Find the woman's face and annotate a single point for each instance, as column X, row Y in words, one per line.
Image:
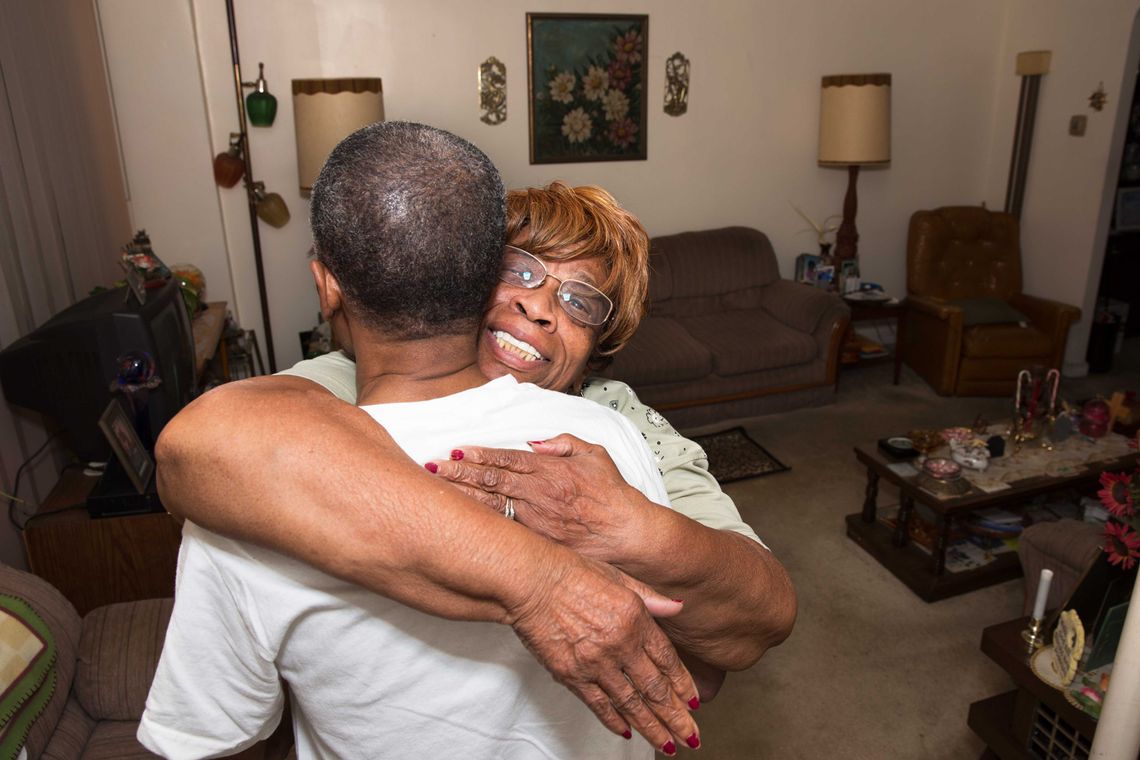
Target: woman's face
column 526, row 333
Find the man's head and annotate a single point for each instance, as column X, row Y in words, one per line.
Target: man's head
column 410, row 222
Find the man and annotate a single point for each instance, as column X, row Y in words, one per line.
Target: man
column 408, row 224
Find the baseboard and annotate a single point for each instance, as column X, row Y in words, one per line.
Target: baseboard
column 1075, row 369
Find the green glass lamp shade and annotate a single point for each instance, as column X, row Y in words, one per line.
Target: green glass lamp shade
column 261, row 107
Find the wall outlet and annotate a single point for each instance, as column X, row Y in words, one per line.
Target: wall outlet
column 1077, row 125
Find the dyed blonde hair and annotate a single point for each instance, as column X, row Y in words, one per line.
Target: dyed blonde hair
column 563, row 223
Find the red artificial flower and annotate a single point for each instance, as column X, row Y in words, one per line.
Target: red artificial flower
column 1116, row 496
column 1122, row 544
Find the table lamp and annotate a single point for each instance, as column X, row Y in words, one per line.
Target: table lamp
column 325, row 111
column 854, row 130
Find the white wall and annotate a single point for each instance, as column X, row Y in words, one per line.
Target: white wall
column 1066, row 211
column 745, row 149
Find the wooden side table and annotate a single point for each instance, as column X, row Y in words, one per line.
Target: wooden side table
column 1034, row 720
column 876, row 311
column 99, row 561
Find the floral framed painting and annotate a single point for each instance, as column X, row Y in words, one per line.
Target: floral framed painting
column 587, row 81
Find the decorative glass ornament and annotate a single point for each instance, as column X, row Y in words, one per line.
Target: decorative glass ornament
column 260, row 105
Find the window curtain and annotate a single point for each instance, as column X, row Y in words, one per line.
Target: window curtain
column 63, row 204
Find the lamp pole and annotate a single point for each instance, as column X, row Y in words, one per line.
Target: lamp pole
column 251, row 198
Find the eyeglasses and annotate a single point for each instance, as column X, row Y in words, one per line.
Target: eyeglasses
column 580, row 300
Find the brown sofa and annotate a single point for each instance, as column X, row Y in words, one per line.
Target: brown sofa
column 104, row 665
column 963, row 273
column 726, row 337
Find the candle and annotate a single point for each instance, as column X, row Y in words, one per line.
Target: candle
column 1042, row 594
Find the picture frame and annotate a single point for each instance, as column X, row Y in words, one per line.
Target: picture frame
column 587, row 82
column 124, row 440
column 1128, row 208
column 806, row 266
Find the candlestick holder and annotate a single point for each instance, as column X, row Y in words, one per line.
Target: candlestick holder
column 1033, row 635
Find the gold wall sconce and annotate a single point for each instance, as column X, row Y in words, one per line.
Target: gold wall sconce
column 325, row 111
column 493, row 91
column 676, row 84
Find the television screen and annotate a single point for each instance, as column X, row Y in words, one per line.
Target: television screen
column 66, row 368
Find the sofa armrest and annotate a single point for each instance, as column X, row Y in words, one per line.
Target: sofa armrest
column 801, row 307
column 1051, row 317
column 118, row 655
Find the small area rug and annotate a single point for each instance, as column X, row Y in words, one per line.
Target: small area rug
column 733, row 455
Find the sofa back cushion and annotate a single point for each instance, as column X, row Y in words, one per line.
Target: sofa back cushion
column 709, row 271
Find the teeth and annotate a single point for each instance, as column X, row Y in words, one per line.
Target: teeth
column 516, row 346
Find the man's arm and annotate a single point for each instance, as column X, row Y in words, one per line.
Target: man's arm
column 280, row 462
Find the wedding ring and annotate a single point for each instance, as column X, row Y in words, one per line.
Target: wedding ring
column 509, row 509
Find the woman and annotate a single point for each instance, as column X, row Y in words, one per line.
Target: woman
column 738, row 600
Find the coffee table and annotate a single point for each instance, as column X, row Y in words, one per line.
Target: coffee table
column 924, row 574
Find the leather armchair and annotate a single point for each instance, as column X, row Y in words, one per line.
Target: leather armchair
column 960, row 259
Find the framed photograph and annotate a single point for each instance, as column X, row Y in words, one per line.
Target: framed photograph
column 1128, row 208
column 587, row 81
column 806, row 265
column 133, row 456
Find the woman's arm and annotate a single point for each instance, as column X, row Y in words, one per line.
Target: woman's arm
column 739, row 600
column 281, row 462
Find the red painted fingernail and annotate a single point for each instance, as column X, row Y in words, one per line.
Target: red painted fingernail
column 627, row 734
column 679, row 601
column 432, row 467
column 695, row 703
column 669, row 748
column 531, row 443
column 693, row 741
column 456, row 454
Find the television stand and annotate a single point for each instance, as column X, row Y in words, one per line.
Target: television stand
column 100, row 561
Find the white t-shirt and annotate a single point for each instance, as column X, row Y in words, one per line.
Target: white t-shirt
column 369, row 677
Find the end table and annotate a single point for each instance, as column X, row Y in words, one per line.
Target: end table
column 875, row 311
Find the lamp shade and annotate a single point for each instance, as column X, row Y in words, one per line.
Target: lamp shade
column 855, row 119
column 325, row 111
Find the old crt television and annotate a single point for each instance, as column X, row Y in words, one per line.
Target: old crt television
column 64, row 368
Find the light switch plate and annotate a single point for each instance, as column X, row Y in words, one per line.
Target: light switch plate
column 1077, row 125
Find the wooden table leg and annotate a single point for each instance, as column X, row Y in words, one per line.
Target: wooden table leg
column 871, row 496
column 906, row 506
column 941, row 541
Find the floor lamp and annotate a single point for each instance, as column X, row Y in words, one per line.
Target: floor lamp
column 854, row 131
column 269, row 207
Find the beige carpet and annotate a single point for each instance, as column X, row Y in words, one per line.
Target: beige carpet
column 870, row 671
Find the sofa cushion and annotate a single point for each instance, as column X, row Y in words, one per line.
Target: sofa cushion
column 1004, row 341
column 115, row 740
column 750, row 340
column 661, row 350
column 711, row 263
column 118, row 655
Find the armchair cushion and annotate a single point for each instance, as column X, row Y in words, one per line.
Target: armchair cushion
column 988, row 311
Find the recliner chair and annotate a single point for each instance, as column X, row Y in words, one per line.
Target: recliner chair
column 969, row 328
